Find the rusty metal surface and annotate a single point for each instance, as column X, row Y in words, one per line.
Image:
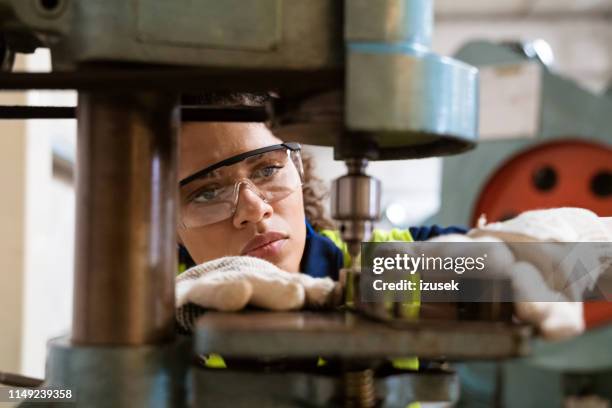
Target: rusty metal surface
column 346, row 335
column 125, row 203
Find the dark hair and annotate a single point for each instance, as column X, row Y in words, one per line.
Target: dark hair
column 226, row 99
column 314, row 190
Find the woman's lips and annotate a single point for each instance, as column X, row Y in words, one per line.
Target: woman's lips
column 266, row 245
column 268, row 251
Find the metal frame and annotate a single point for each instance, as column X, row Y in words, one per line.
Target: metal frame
column 188, row 113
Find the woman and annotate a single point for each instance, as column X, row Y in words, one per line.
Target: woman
column 244, row 192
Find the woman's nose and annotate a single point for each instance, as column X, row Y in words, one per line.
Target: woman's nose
column 250, row 208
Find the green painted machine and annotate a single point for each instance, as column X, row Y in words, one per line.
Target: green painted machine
column 562, row 155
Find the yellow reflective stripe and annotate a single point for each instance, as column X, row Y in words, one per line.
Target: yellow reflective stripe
column 390, row 236
column 377, row 236
column 407, row 363
column 214, row 361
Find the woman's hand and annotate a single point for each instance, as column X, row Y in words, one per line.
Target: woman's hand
column 232, row 283
column 537, row 271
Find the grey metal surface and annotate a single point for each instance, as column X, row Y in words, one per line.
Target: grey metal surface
column 119, row 377
column 419, row 99
column 356, row 195
column 230, row 24
column 389, row 21
column 400, row 100
column 579, row 366
column 125, row 262
column 409, row 101
column 230, row 388
column 355, row 202
column 589, row 352
column 346, row 335
column 288, row 34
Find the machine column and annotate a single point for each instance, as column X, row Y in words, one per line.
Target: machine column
column 126, row 203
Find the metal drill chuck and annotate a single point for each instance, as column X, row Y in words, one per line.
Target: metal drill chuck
column 356, row 204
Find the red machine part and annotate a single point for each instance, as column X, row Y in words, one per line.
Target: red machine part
column 561, row 173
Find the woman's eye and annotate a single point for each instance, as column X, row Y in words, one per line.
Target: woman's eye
column 206, row 194
column 266, row 172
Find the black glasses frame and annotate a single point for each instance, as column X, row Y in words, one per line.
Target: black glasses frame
column 238, row 158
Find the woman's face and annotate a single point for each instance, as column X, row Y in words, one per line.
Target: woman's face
column 254, row 221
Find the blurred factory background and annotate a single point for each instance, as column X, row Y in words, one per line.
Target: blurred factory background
column 522, row 103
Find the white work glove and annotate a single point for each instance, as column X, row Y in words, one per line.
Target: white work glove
column 556, row 225
column 231, row 283
column 530, row 269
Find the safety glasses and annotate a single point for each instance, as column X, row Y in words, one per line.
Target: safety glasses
column 211, row 195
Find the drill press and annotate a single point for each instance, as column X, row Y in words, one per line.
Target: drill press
column 401, row 101
column 395, row 100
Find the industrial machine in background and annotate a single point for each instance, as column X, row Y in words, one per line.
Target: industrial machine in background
column 357, row 75
column 544, row 142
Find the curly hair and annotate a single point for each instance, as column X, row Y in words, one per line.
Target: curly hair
column 315, row 192
column 313, row 189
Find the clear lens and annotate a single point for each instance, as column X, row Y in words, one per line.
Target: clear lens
column 272, row 176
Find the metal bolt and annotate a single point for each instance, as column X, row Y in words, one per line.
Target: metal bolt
column 359, row 391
